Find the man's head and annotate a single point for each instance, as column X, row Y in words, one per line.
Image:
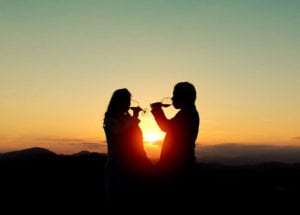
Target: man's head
column 184, row 95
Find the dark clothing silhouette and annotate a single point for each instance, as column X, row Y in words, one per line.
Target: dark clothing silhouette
column 178, row 148
column 127, row 166
column 177, row 160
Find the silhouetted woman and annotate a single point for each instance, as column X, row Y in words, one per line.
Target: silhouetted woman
column 127, row 164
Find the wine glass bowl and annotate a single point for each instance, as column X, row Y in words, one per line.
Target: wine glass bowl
column 166, row 102
column 139, row 108
column 135, row 106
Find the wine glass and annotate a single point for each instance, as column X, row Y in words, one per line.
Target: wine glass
column 166, row 101
column 134, row 104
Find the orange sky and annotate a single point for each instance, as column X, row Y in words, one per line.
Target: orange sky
column 61, row 61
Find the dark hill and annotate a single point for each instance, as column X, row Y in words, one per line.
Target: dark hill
column 26, row 154
column 38, row 178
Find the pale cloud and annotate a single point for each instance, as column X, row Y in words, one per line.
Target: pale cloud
column 60, row 139
column 235, row 153
column 72, row 145
column 90, row 145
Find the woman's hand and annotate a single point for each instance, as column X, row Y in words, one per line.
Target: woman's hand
column 136, row 111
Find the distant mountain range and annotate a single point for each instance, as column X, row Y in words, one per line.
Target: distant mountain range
column 38, row 153
column 30, row 153
column 225, row 154
column 39, row 177
column 242, row 154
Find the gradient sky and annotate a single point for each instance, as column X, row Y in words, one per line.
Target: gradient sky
column 60, row 61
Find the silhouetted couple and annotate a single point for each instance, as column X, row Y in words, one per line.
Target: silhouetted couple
column 128, row 170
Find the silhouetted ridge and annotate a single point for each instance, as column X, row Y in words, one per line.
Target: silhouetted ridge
column 73, row 182
column 39, row 178
column 26, row 154
column 81, row 153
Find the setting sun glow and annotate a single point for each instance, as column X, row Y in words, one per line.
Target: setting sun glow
column 61, row 61
column 152, row 137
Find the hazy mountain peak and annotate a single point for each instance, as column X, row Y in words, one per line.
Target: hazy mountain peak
column 26, row 153
column 83, row 152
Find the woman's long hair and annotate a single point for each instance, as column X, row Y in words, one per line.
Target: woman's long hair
column 119, row 103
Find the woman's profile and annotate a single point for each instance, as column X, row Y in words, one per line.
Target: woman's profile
column 127, row 164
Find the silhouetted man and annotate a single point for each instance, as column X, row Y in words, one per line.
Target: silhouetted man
column 177, row 159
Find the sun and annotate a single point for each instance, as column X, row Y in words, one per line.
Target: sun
column 152, row 137
column 152, row 134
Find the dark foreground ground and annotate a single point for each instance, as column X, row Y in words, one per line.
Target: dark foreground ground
column 41, row 182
